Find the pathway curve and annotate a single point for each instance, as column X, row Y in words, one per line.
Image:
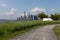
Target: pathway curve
column 42, row 33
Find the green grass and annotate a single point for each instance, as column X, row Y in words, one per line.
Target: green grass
column 11, row 29
column 57, row 31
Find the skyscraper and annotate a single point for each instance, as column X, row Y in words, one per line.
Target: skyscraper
column 24, row 14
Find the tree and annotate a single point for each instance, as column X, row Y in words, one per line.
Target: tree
column 55, row 16
column 42, row 15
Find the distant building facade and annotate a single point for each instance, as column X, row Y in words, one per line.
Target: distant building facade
column 33, row 17
column 27, row 17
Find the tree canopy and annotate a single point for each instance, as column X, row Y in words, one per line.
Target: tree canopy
column 42, row 15
column 55, row 16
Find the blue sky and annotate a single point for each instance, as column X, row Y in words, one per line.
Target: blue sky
column 11, row 9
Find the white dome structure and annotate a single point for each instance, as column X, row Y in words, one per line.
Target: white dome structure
column 47, row 19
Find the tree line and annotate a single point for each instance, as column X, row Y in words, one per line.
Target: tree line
column 54, row 16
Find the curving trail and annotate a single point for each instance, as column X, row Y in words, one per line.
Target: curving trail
column 42, row 33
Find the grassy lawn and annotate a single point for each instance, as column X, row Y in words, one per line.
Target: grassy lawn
column 57, row 31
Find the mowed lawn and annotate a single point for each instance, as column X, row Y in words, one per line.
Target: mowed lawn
column 57, row 31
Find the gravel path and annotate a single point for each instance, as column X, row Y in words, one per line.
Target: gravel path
column 42, row 33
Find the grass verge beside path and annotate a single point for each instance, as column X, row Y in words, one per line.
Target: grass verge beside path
column 57, row 31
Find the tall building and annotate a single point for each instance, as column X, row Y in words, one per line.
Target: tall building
column 33, row 17
column 27, row 17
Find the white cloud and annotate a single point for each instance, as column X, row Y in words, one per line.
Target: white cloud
column 52, row 9
column 38, row 9
column 21, row 14
column 3, row 4
column 11, row 12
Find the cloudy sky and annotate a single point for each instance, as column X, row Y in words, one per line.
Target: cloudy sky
column 11, row 9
